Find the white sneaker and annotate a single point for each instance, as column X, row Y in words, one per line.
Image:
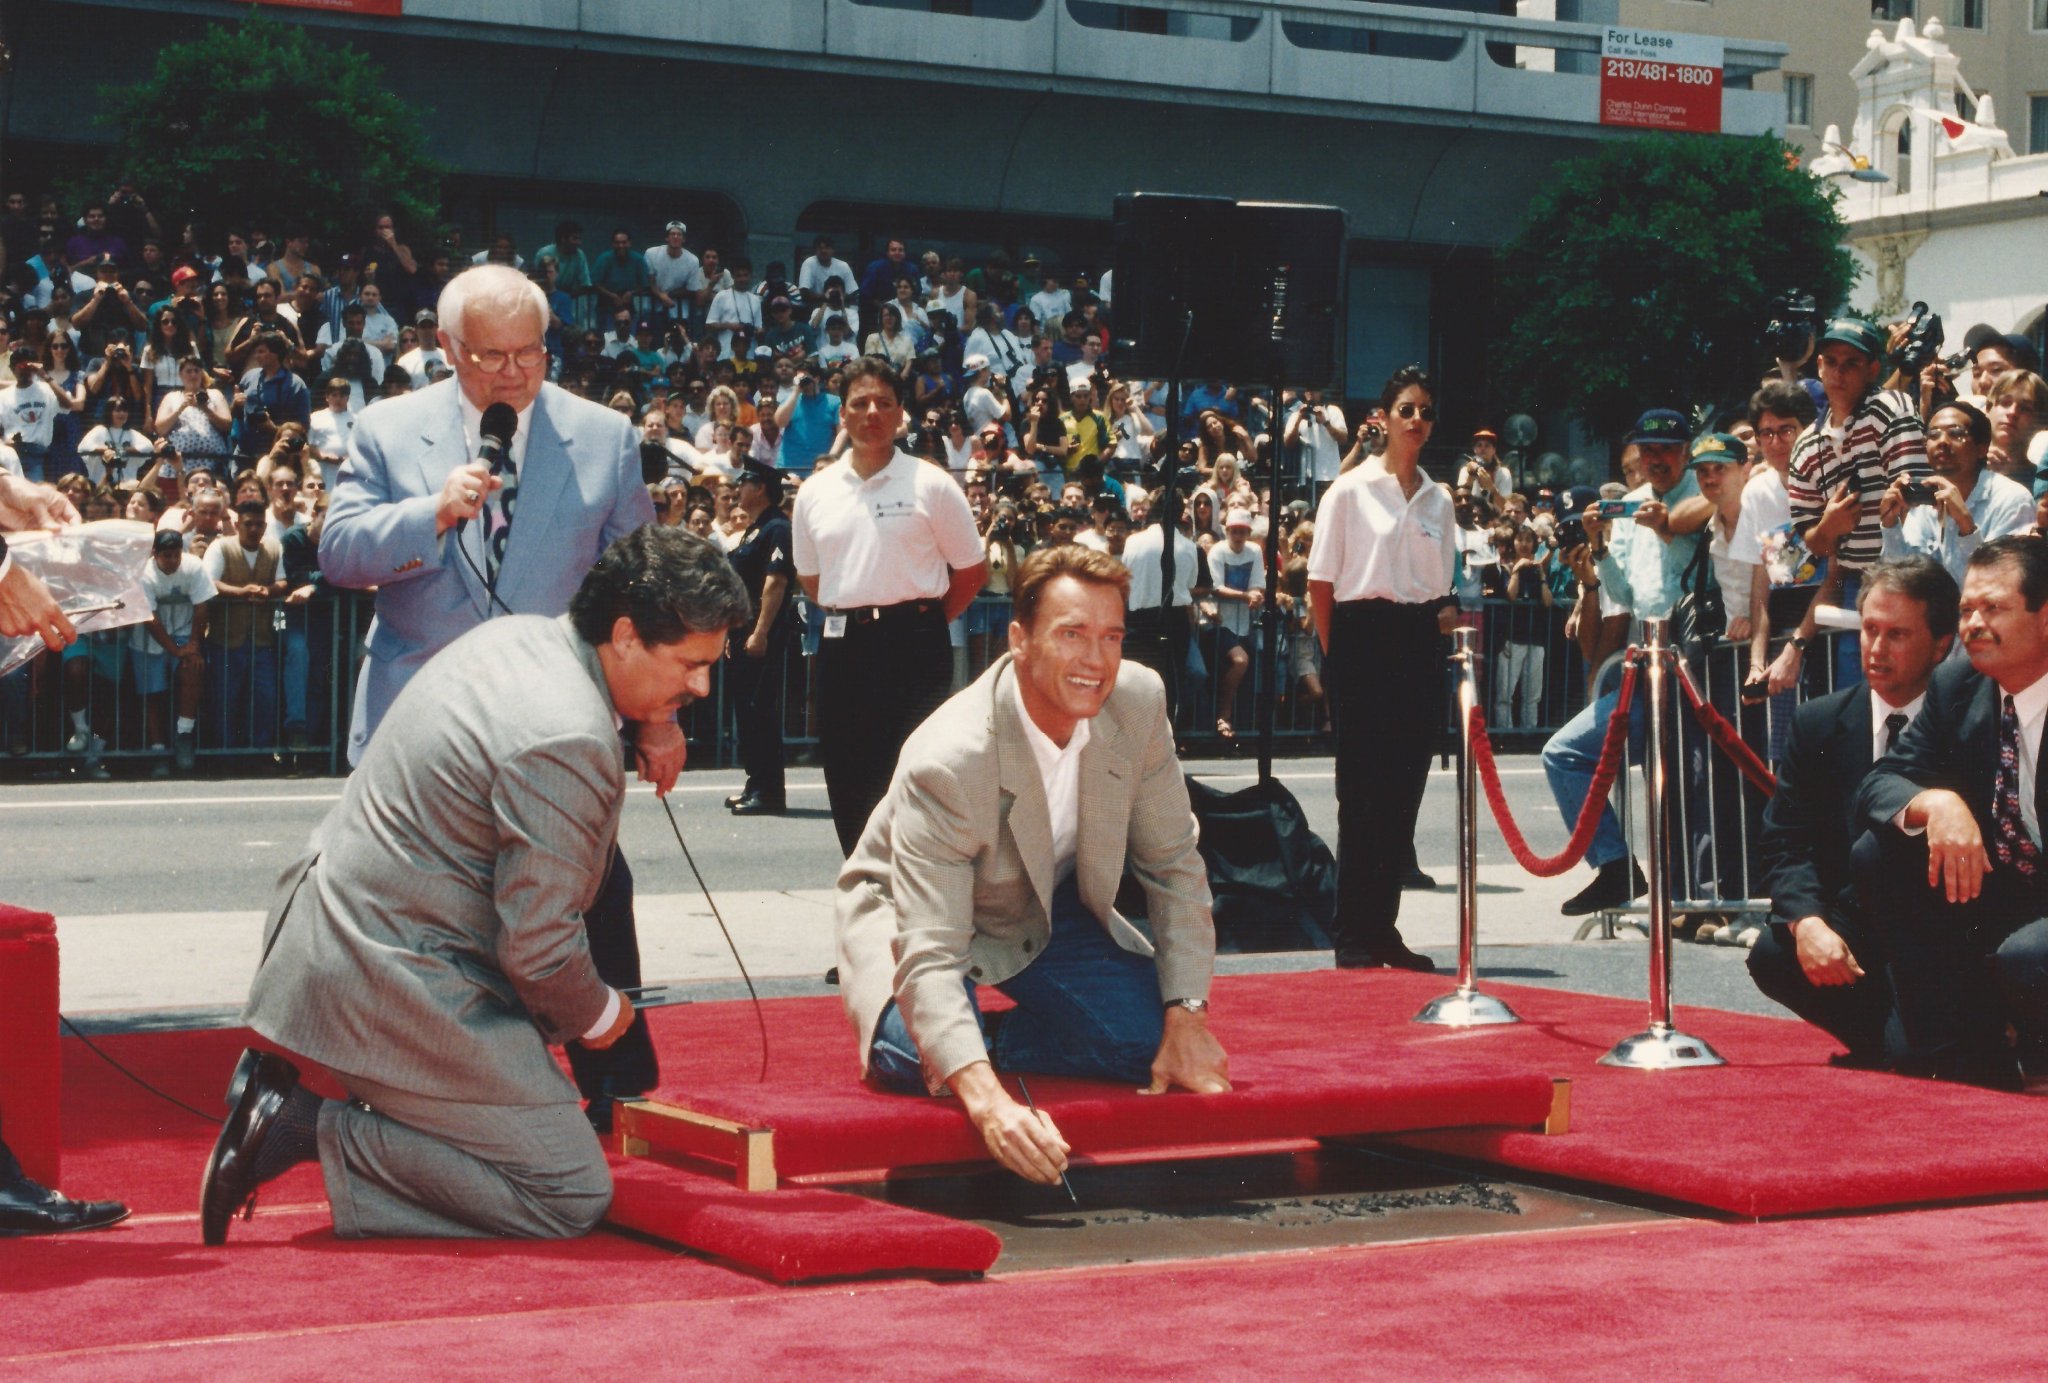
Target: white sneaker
column 79, row 739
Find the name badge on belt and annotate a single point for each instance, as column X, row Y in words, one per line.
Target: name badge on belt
column 835, row 626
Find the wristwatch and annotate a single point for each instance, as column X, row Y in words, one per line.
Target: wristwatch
column 1800, row 643
column 1195, row 1006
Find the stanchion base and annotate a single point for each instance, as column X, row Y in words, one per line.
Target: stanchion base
column 1466, row 1008
column 1661, row 1049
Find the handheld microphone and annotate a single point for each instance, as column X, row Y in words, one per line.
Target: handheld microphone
column 499, row 426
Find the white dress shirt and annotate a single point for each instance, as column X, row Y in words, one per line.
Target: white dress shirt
column 1375, row 543
column 1059, row 771
column 1880, row 709
column 2031, row 706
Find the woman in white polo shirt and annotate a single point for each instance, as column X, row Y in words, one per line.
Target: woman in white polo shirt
column 1379, row 584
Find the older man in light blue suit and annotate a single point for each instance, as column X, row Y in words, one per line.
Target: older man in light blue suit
column 447, row 545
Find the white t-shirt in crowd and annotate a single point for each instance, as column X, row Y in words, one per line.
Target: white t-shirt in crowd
column 1051, row 308
column 813, row 277
column 829, row 353
column 733, row 305
column 415, row 362
column 1322, row 443
column 1239, row 571
column 29, row 410
column 1141, row 557
column 674, row 273
column 893, row 537
column 327, row 432
column 134, row 448
column 172, row 597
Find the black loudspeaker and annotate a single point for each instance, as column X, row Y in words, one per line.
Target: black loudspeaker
column 1174, row 255
column 1265, row 282
column 1290, row 272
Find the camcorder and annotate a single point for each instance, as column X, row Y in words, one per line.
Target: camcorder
column 1923, row 343
column 1571, row 533
column 654, row 461
column 1795, row 321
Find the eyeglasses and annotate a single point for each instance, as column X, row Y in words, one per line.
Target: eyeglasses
column 1957, row 433
column 1410, row 410
column 494, row 362
column 1782, row 433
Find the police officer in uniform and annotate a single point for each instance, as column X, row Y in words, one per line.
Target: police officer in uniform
column 755, row 663
column 1379, row 582
column 886, row 546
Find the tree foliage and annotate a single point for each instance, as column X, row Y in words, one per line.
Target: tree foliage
column 257, row 122
column 1644, row 274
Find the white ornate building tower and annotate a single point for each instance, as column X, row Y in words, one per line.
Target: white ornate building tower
column 1957, row 220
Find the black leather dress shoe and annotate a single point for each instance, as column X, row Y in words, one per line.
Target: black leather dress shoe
column 735, row 800
column 1618, row 883
column 29, row 1207
column 759, row 804
column 1395, row 956
column 1417, row 880
column 261, row 1084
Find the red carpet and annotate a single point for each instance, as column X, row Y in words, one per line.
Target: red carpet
column 792, row 1235
column 1954, row 1293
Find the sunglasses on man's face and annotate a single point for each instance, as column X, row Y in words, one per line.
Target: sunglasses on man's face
column 1410, row 410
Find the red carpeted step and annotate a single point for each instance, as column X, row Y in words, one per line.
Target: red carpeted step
column 835, row 1124
column 792, row 1235
column 30, row 1085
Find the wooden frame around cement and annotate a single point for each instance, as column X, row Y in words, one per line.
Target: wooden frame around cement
column 653, row 1128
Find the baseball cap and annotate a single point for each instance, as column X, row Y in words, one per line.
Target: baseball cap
column 425, row 318
column 975, row 363
column 1486, row 432
column 1661, row 426
column 764, row 353
column 1718, row 449
column 1238, row 518
column 1576, row 499
column 1854, row 331
column 167, row 540
column 675, row 226
column 184, row 273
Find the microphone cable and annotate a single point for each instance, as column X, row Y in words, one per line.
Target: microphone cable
column 760, row 1017
column 93, row 1047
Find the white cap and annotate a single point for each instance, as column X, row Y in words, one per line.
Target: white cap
column 975, row 364
column 1238, row 518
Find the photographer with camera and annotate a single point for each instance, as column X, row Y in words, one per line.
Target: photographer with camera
column 113, row 448
column 1640, row 563
column 808, row 421
column 109, row 315
column 1369, row 441
column 1315, row 432
column 195, row 417
column 1962, row 504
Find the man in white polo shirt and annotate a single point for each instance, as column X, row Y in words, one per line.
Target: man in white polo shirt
column 674, row 274
column 886, row 545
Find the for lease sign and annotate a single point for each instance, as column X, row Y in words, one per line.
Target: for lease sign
column 1655, row 81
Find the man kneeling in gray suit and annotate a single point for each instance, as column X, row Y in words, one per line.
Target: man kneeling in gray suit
column 429, row 945
column 995, row 859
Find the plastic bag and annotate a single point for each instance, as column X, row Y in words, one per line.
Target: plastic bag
column 94, row 570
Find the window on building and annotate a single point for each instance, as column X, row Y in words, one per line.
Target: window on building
column 2040, row 14
column 1891, row 9
column 2037, row 124
column 1799, row 99
column 1966, row 14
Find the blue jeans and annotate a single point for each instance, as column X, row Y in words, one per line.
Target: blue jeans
column 297, row 661
column 1086, row 1007
column 1570, row 758
column 249, row 702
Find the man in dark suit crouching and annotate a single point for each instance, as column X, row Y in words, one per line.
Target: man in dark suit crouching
column 1952, row 867
column 1822, row 957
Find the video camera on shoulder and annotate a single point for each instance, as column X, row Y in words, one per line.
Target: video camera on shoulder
column 1923, row 343
column 1795, row 321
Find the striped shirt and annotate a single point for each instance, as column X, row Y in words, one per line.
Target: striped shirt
column 1884, row 440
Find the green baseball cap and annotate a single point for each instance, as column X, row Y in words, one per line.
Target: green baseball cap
column 1855, row 331
column 1717, row 449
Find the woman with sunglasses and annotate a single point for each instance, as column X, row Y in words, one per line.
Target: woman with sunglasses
column 1379, row 582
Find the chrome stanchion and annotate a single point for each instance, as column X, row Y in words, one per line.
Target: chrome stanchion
column 1466, row 1007
column 1662, row 1047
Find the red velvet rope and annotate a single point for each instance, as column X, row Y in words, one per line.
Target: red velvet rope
column 1722, row 732
column 1612, row 752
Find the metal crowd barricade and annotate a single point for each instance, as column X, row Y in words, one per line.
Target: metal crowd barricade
column 1716, row 816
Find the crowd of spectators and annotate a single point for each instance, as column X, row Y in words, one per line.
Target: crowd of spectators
column 180, row 375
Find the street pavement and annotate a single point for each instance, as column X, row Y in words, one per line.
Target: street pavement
column 160, row 889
